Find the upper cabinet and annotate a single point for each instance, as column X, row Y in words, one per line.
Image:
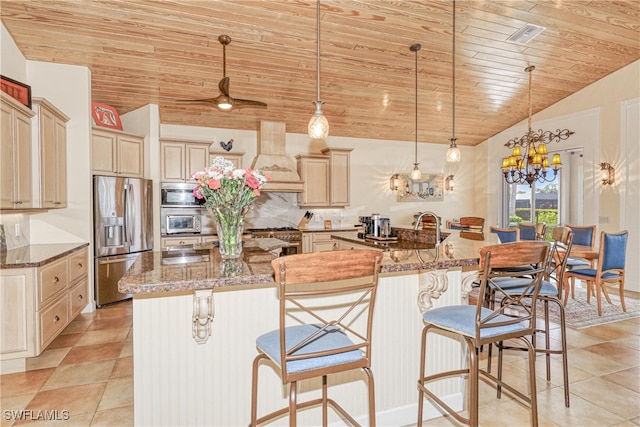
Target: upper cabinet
column 117, row 153
column 181, row 158
column 15, row 155
column 50, row 147
column 326, row 177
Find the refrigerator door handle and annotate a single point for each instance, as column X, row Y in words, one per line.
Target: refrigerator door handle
column 128, row 214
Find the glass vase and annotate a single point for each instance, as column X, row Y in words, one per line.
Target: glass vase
column 230, row 226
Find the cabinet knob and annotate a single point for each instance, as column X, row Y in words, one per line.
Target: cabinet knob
column 79, row 265
column 80, row 297
column 56, row 279
column 56, row 319
column 18, row 202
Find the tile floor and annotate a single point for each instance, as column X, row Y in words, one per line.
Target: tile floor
column 88, row 372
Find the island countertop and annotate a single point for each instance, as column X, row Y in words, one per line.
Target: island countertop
column 203, row 268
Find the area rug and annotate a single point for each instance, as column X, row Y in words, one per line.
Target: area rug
column 580, row 315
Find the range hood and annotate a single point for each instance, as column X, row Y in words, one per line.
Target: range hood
column 273, row 159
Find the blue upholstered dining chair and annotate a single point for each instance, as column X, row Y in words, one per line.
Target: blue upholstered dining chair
column 531, row 231
column 479, row 325
column 583, row 235
column 550, row 292
column 321, row 295
column 611, row 262
column 506, row 235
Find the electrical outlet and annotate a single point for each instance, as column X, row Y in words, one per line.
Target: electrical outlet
column 604, row 220
column 17, row 230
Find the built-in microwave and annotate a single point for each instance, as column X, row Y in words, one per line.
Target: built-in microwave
column 182, row 223
column 178, row 195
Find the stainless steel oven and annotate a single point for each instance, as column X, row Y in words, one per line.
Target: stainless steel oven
column 292, row 236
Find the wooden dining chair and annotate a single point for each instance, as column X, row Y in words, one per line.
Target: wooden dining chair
column 506, row 235
column 531, row 231
column 610, row 269
column 472, row 223
column 326, row 316
column 513, row 319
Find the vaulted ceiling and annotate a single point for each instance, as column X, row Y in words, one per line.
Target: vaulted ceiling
column 157, row 52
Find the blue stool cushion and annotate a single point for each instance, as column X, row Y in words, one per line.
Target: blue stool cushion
column 546, row 289
column 332, row 338
column 462, row 319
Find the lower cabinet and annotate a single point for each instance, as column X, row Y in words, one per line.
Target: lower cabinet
column 318, row 241
column 36, row 304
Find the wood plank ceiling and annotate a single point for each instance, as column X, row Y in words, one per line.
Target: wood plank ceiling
column 142, row 52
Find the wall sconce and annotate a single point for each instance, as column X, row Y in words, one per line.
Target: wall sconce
column 448, row 183
column 394, row 182
column 607, row 174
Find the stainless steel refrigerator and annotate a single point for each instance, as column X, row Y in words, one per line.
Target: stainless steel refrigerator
column 123, row 229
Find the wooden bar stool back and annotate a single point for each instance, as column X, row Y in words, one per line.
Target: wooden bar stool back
column 326, row 313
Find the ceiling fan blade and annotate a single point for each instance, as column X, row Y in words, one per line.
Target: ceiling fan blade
column 223, row 85
column 248, row 103
column 207, row 101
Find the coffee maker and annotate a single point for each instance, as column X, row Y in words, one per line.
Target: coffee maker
column 375, row 225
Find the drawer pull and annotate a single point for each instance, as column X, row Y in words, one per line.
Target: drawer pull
column 56, row 279
column 80, row 297
column 79, row 265
column 56, row 319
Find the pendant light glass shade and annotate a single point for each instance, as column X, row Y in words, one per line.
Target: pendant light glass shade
column 415, row 173
column 453, row 152
column 318, row 124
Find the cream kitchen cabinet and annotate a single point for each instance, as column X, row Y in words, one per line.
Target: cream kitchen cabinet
column 38, row 303
column 166, row 242
column 326, row 178
column 16, row 190
column 50, row 147
column 318, row 241
column 235, row 158
column 116, row 153
column 180, row 159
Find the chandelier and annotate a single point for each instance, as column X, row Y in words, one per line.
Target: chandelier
column 529, row 161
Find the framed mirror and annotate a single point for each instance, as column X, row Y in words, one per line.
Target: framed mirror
column 428, row 188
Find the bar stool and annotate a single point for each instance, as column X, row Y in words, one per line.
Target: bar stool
column 320, row 295
column 549, row 293
column 513, row 318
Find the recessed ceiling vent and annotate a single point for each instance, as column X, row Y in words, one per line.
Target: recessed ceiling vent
column 526, row 33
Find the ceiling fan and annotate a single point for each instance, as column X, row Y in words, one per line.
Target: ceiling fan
column 224, row 102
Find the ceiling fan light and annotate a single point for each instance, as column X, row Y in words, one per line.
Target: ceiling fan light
column 224, row 103
column 318, row 125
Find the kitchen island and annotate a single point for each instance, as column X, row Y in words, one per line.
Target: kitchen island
column 195, row 325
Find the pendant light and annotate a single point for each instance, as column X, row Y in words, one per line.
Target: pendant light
column 415, row 173
column 453, row 152
column 318, row 125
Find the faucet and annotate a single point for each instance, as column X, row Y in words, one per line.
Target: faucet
column 429, row 213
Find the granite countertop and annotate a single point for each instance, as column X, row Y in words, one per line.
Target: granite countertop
column 201, row 266
column 37, row 255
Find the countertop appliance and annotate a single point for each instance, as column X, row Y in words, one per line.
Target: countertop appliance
column 375, row 225
column 291, row 235
column 123, row 228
